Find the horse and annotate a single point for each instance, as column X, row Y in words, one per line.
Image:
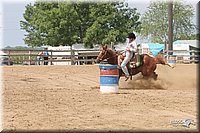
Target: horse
column 147, row 67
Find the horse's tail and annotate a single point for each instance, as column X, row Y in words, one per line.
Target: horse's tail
column 159, row 60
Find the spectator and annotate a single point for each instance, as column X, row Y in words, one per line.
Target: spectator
column 39, row 57
column 45, row 56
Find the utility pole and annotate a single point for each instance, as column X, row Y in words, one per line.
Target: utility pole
column 198, row 21
column 170, row 21
column 1, row 29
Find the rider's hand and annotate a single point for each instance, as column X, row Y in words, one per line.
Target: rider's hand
column 122, row 52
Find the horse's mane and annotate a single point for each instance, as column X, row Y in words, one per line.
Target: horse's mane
column 109, row 49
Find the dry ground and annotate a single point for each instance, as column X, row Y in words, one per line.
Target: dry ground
column 65, row 97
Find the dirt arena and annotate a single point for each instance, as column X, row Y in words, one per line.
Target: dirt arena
column 66, row 98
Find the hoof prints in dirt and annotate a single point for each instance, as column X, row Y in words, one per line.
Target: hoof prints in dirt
column 30, row 80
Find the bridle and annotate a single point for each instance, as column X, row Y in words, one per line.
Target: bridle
column 108, row 57
column 103, row 55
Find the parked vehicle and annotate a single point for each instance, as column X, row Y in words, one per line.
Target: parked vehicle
column 4, row 59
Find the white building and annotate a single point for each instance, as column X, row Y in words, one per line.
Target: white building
column 186, row 46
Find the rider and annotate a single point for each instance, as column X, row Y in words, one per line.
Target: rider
column 129, row 52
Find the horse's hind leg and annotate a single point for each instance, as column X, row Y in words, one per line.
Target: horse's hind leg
column 155, row 76
column 144, row 73
column 145, row 77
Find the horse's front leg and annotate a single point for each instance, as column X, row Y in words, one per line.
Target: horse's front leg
column 131, row 74
column 120, row 73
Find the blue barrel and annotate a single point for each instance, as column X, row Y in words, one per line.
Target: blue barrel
column 109, row 78
column 171, row 60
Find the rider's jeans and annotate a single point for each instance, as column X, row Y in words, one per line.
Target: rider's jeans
column 125, row 61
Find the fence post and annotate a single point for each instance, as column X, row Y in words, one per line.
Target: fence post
column 23, row 58
column 193, row 57
column 72, row 56
column 9, row 57
column 29, row 58
column 51, row 57
column 166, row 55
column 93, row 61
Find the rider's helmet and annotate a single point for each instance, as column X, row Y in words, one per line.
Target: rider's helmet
column 131, row 35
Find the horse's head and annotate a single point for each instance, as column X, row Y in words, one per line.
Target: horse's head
column 105, row 53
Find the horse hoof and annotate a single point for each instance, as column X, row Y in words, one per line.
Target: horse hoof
column 155, row 77
column 126, row 78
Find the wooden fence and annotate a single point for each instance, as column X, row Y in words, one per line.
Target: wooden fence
column 31, row 57
column 81, row 57
column 183, row 56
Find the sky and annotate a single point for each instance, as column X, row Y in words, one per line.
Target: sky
column 11, row 13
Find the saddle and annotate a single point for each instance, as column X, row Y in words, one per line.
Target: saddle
column 135, row 61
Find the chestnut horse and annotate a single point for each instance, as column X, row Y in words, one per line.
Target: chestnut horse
column 147, row 68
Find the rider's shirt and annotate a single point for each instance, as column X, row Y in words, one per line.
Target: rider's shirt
column 132, row 46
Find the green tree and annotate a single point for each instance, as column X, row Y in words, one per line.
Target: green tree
column 112, row 23
column 155, row 21
column 67, row 23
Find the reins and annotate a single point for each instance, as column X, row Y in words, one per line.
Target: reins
column 108, row 57
column 111, row 57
